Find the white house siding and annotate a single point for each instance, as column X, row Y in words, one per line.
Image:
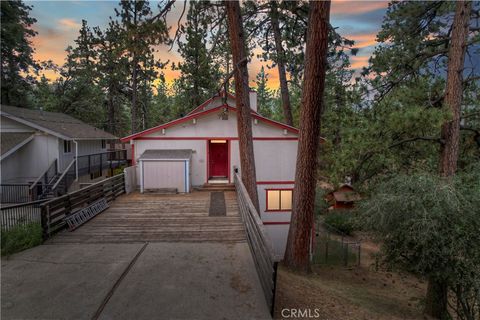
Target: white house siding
column 85, row 147
column 31, row 160
column 211, row 126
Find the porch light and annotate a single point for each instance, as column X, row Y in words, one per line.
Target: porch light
column 255, row 121
column 163, row 131
column 218, row 141
column 285, row 131
column 194, row 121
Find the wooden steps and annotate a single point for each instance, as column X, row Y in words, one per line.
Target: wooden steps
column 160, row 218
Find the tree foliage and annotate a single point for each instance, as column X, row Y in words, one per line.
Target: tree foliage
column 429, row 226
column 18, row 68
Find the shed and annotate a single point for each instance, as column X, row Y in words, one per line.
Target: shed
column 342, row 198
column 165, row 169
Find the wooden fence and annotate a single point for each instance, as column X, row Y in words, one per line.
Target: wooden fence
column 54, row 211
column 259, row 242
column 20, row 214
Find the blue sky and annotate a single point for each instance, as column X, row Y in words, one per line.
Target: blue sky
column 58, row 23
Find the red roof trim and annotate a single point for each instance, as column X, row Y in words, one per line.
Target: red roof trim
column 202, row 113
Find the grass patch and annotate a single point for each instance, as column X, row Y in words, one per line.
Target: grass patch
column 21, row 238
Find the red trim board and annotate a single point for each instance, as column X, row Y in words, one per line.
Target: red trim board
column 275, row 182
column 214, row 138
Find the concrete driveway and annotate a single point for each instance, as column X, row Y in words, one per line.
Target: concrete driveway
column 147, row 257
column 132, row 281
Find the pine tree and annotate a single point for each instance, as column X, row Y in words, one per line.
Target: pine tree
column 140, row 31
column 264, row 94
column 199, row 73
column 302, row 221
column 17, row 53
column 242, row 89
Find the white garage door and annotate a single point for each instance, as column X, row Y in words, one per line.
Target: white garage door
column 165, row 174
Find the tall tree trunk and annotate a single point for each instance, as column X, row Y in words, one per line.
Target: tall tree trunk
column 302, row 221
column 287, row 109
column 436, row 300
column 454, row 88
column 134, row 96
column 242, row 93
column 111, row 111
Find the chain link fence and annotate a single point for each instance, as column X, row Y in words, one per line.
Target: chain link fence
column 332, row 247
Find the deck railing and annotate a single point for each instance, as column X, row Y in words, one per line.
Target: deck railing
column 97, row 162
column 54, row 211
column 259, row 243
column 20, row 214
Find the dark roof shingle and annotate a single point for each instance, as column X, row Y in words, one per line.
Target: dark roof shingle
column 59, row 123
column 10, row 140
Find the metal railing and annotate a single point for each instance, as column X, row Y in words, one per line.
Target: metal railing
column 66, row 179
column 43, row 185
column 259, row 242
column 97, row 162
column 20, row 214
column 15, row 193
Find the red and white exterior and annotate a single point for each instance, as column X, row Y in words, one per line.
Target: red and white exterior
column 275, row 149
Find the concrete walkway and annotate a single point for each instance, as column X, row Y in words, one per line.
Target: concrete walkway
column 133, row 280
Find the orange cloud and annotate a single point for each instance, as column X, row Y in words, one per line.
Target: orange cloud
column 358, row 62
column 363, row 40
column 69, row 24
column 347, row 7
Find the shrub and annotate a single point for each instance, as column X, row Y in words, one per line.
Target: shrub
column 20, row 238
column 340, row 222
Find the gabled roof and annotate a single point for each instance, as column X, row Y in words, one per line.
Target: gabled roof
column 12, row 141
column 203, row 113
column 54, row 123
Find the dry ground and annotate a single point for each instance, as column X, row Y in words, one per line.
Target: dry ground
column 352, row 293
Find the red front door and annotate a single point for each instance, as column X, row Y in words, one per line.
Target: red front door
column 218, row 158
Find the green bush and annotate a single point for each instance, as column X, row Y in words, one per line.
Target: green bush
column 20, row 238
column 340, row 222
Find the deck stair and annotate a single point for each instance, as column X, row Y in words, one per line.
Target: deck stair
column 212, row 187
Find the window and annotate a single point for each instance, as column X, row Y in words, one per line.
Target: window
column 67, row 146
column 104, row 144
column 279, row 200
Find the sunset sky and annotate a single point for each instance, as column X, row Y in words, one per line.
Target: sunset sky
column 58, row 23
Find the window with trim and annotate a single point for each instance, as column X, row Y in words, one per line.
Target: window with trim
column 279, row 199
column 104, row 144
column 67, row 146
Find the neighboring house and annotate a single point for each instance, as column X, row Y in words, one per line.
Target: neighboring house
column 202, row 148
column 37, row 147
column 342, row 198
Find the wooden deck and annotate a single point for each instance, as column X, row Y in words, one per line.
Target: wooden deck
column 160, row 218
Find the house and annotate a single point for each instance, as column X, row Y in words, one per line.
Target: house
column 42, row 149
column 202, row 148
column 342, row 198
